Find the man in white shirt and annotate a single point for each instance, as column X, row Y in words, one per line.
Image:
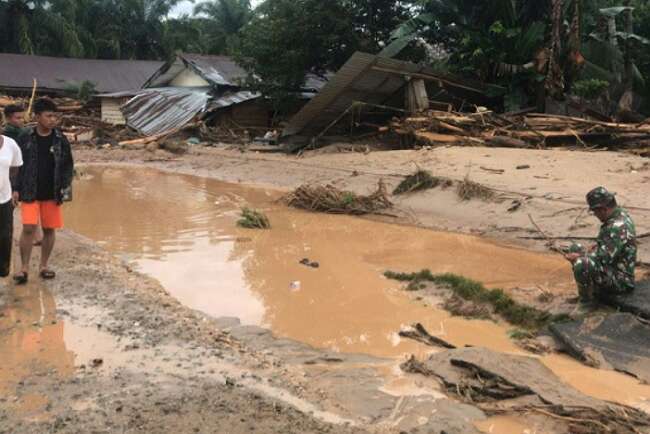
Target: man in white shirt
column 10, row 160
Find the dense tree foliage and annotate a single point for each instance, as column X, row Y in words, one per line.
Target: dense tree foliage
column 529, row 47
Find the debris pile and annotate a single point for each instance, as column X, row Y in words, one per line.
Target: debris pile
column 499, row 383
column 329, row 199
column 80, row 122
column 531, row 130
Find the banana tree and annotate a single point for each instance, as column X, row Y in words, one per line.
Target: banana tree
column 496, row 43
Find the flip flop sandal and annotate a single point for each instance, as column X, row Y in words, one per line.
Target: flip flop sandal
column 47, row 274
column 21, row 278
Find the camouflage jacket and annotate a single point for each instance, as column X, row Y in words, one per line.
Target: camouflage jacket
column 14, row 132
column 616, row 248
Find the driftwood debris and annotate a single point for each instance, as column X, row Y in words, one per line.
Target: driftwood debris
column 420, row 334
column 520, row 130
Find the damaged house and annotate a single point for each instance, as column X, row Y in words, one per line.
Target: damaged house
column 195, row 86
column 362, row 97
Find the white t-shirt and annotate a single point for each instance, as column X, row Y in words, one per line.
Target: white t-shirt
column 10, row 156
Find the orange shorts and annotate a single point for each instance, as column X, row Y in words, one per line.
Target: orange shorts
column 48, row 213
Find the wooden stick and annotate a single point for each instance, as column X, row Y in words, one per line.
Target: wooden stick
column 550, row 243
column 28, row 113
column 420, row 334
column 571, row 419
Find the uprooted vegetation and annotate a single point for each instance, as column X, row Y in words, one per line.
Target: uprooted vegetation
column 421, row 180
column 465, row 190
column 253, row 219
column 480, row 300
column 329, row 199
column 468, row 190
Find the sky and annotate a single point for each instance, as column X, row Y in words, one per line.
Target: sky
column 186, row 7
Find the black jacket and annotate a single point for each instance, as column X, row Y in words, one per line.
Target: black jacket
column 26, row 181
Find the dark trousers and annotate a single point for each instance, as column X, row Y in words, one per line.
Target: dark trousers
column 6, row 237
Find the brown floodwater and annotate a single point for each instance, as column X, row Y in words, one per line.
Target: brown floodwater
column 31, row 342
column 182, row 231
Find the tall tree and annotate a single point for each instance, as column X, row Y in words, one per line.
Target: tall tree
column 33, row 27
column 375, row 20
column 224, row 20
column 288, row 38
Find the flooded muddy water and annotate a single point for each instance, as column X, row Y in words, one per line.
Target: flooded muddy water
column 31, row 342
column 182, row 231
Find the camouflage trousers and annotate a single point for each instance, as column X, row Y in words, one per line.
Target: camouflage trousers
column 595, row 281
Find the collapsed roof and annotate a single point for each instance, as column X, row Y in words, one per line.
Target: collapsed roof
column 374, row 80
column 166, row 109
column 215, row 70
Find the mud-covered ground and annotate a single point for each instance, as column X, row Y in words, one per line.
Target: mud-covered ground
column 550, row 190
column 105, row 349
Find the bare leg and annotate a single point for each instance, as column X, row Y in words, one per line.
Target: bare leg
column 38, row 237
column 26, row 244
column 49, row 236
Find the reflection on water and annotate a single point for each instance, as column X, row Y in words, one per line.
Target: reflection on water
column 182, row 230
column 31, row 342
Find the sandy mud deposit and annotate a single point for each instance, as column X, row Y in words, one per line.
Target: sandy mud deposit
column 314, row 349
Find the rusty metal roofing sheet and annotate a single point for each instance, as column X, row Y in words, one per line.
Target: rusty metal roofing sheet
column 157, row 111
column 58, row 73
column 364, row 78
column 234, row 98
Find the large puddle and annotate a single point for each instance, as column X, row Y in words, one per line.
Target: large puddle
column 182, row 231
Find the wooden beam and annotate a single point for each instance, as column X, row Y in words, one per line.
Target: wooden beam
column 427, row 77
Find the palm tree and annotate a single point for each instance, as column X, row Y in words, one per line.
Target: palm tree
column 225, row 19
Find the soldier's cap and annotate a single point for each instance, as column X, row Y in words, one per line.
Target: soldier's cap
column 600, row 197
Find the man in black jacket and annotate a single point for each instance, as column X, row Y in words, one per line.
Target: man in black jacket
column 41, row 185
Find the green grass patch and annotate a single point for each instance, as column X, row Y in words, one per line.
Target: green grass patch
column 526, row 317
column 252, row 219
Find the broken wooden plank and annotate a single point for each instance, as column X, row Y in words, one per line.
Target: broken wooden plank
column 437, row 138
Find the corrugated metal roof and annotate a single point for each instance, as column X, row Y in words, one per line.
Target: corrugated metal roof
column 216, row 70
column 230, row 99
column 364, row 78
column 57, row 73
column 220, row 70
column 157, row 111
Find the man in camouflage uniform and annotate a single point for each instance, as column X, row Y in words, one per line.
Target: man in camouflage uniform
column 608, row 268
